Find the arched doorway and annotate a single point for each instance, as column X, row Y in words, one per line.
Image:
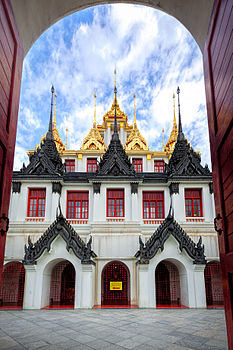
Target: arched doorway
column 167, row 283
column 12, row 287
column 115, row 284
column 213, row 284
column 62, row 285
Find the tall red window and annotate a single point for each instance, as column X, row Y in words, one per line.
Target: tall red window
column 91, row 165
column 36, row 201
column 77, row 205
column 159, row 166
column 193, row 202
column 115, row 203
column 137, row 162
column 70, row 165
column 153, row 205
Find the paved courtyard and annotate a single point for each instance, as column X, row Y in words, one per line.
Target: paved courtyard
column 113, row 329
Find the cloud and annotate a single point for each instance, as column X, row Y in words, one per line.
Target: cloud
column 152, row 52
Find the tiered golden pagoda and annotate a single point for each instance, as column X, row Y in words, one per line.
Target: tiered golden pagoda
column 135, row 141
column 169, row 148
column 94, row 140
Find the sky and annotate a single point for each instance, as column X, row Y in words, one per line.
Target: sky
column 152, row 52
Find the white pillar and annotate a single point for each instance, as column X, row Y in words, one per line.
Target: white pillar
column 87, row 287
column 107, row 134
column 144, row 287
column 134, row 207
column 54, row 205
column 96, row 207
column 29, row 287
column 199, row 284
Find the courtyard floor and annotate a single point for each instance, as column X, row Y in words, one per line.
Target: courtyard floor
column 113, row 329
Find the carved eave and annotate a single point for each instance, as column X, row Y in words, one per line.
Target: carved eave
column 185, row 161
column 45, row 160
column 170, row 227
column 93, row 141
column 60, row 227
column 135, row 141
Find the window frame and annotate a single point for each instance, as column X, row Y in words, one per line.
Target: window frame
column 144, row 200
column 71, row 166
column 140, row 163
column 161, row 166
column 115, row 203
column 89, row 160
column 37, row 197
column 76, row 200
column 192, row 198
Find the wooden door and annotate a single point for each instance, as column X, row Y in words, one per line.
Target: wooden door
column 11, row 59
column 218, row 68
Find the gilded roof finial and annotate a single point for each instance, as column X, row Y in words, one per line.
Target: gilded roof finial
column 115, row 77
column 135, row 122
column 115, row 93
column 54, row 112
column 66, row 137
column 94, row 124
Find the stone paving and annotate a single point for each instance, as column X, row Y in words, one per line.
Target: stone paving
column 113, row 329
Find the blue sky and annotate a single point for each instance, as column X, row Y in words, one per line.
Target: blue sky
column 152, row 52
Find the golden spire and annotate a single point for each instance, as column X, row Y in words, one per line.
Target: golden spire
column 135, row 122
column 94, row 124
column 169, row 148
column 54, row 112
column 115, row 77
column 66, row 137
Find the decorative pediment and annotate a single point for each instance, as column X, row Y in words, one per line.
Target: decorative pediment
column 135, row 141
column 93, row 141
column 60, row 227
column 170, row 227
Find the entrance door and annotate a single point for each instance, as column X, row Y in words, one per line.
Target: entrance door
column 167, row 282
column 62, row 287
column 12, row 287
column 213, row 284
column 11, row 59
column 218, row 67
column 115, row 284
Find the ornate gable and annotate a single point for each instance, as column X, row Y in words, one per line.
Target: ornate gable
column 170, row 227
column 93, row 140
column 135, row 141
column 115, row 161
column 59, row 227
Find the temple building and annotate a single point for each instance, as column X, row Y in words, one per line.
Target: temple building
column 113, row 223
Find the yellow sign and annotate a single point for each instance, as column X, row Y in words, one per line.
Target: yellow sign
column 115, row 285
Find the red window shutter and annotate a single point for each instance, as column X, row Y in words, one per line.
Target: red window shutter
column 115, row 203
column 159, row 166
column 77, row 204
column 138, row 165
column 153, row 204
column 193, row 202
column 91, row 165
column 70, row 165
column 36, row 202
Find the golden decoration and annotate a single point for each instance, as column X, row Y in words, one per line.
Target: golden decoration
column 135, row 140
column 169, row 148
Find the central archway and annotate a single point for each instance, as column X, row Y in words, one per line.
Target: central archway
column 167, row 280
column 115, row 284
column 62, row 285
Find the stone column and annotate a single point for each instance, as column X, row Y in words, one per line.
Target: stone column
column 88, row 286
column 199, row 283
column 144, row 286
column 29, row 287
column 107, row 134
column 134, row 201
column 56, row 192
